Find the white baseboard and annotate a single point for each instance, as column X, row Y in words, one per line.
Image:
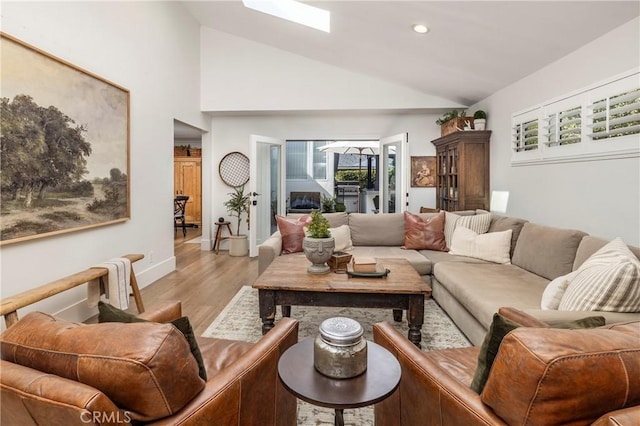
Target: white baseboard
column 206, row 244
column 155, row 272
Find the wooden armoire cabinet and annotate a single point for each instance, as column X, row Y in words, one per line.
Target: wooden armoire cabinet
column 463, row 170
column 187, row 180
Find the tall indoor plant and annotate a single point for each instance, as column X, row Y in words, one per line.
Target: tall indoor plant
column 318, row 245
column 237, row 205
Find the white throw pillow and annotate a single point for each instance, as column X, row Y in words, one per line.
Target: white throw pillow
column 342, row 237
column 609, row 280
column 492, row 247
column 555, row 290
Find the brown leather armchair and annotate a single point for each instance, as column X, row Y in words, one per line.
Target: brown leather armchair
column 140, row 373
column 541, row 376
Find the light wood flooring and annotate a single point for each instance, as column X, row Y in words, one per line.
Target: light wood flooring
column 203, row 281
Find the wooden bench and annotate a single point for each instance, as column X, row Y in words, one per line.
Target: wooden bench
column 10, row 305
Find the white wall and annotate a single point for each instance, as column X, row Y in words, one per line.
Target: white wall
column 152, row 49
column 232, row 133
column 242, row 75
column 598, row 197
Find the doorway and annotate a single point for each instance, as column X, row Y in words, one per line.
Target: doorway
column 280, row 168
column 187, row 176
column 354, row 176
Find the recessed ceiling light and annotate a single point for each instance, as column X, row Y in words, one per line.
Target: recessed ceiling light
column 420, row 28
column 294, row 11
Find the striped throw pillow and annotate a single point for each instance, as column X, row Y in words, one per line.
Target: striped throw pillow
column 478, row 223
column 450, row 220
column 608, row 281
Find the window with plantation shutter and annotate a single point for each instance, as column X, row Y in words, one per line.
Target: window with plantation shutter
column 616, row 116
column 600, row 121
column 526, row 136
column 564, row 127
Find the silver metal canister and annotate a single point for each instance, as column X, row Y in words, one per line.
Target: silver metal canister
column 339, row 350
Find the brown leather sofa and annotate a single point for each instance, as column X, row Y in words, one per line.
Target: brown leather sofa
column 55, row 372
column 541, row 376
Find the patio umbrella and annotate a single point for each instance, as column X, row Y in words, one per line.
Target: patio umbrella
column 353, row 147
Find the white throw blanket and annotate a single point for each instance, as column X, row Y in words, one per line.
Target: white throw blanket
column 116, row 290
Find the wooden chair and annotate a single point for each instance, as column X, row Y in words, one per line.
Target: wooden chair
column 179, row 208
column 429, row 210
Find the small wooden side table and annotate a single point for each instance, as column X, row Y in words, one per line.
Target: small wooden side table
column 219, row 238
column 299, row 376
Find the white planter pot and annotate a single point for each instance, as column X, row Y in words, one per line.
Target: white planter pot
column 480, row 123
column 238, row 245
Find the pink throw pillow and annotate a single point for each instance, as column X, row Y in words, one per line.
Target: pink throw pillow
column 424, row 234
column 292, row 233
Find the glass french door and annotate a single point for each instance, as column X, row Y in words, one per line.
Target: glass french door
column 394, row 173
column 267, row 188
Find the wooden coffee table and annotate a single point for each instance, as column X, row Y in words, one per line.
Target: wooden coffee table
column 286, row 282
column 300, row 377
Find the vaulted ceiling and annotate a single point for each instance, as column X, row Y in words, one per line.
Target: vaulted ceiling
column 472, row 50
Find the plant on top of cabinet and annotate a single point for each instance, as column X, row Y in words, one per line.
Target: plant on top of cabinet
column 454, row 121
column 479, row 120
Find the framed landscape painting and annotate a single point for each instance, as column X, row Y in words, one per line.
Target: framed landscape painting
column 64, row 146
column 423, row 172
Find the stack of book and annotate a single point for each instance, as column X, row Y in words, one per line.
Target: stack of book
column 364, row 264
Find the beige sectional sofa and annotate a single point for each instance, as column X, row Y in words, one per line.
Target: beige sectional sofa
column 471, row 290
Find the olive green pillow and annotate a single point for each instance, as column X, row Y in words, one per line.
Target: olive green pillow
column 500, row 327
column 109, row 313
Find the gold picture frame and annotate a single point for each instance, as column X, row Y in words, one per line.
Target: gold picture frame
column 65, row 146
column 423, row 172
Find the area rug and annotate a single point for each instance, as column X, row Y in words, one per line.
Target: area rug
column 239, row 320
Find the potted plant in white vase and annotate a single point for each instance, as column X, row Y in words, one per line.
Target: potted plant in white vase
column 318, row 245
column 237, row 204
column 479, row 120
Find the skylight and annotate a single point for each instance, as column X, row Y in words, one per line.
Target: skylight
column 294, row 11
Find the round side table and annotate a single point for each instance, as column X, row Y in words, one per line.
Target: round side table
column 300, row 377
